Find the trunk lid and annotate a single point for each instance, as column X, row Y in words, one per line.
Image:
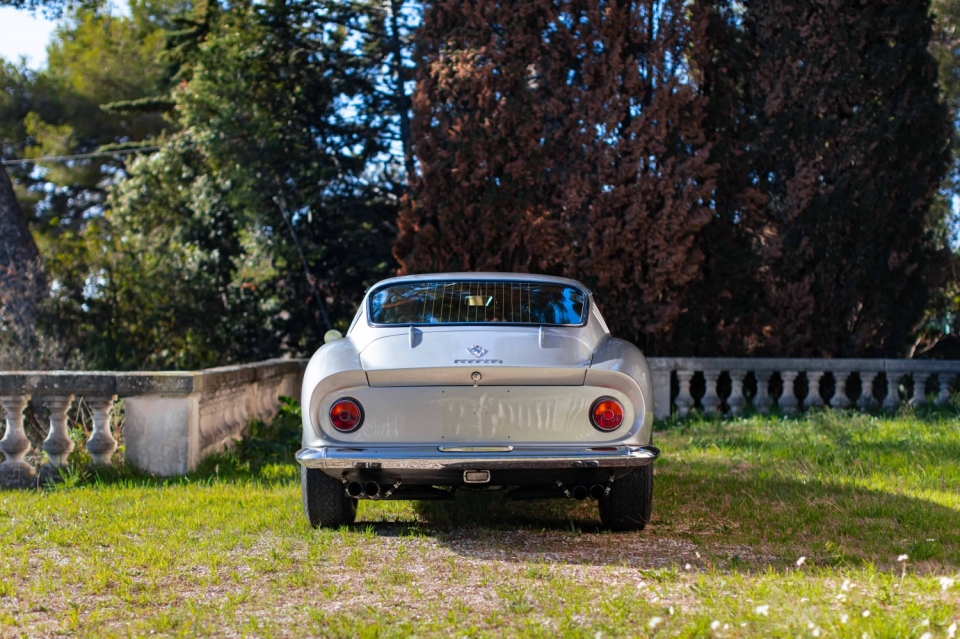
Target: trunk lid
column 435, row 356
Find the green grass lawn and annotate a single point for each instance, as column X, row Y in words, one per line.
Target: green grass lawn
column 738, row 503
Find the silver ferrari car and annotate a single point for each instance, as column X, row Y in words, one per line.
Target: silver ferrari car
column 477, row 381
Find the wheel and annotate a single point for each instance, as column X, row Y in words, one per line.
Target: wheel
column 629, row 504
column 325, row 502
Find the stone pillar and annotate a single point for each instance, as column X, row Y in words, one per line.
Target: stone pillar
column 788, row 400
column 840, row 399
column 762, row 401
column 813, row 398
column 162, row 433
column 684, row 399
column 58, row 444
column 736, row 399
column 866, row 400
column 892, row 400
column 710, row 401
column 15, row 471
column 659, row 376
column 919, row 389
column 945, row 379
column 101, row 444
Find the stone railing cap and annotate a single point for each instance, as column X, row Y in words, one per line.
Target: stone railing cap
column 142, row 382
column 774, row 364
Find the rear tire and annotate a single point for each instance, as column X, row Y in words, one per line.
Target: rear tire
column 630, row 502
column 325, row 501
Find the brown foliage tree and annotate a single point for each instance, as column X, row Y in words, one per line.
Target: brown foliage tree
column 566, row 138
column 831, row 140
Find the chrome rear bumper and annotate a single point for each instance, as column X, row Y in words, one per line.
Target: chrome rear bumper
column 467, row 457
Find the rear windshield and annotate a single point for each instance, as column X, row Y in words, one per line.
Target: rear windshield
column 479, row 302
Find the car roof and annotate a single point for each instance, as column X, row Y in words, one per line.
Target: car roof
column 489, row 275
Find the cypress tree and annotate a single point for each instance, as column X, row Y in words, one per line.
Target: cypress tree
column 831, row 141
column 566, row 138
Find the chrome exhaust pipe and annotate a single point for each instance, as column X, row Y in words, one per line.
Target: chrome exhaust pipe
column 597, row 491
column 355, row 489
column 580, row 493
column 371, row 489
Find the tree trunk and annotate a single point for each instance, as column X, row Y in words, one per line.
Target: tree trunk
column 402, row 100
column 21, row 281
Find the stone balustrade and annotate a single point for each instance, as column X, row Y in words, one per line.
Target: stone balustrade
column 175, row 419
column 880, row 383
column 172, row 420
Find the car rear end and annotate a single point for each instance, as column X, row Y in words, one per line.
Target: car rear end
column 477, row 382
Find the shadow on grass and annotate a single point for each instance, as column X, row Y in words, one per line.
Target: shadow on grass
column 747, row 494
column 732, row 517
column 221, row 468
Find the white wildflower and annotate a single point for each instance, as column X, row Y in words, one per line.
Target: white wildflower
column 801, row 561
column 654, row 622
column 902, row 558
column 714, row 625
column 670, row 610
column 844, row 618
column 952, row 630
column 866, row 613
column 687, row 567
column 816, row 632
column 926, row 635
column 697, row 554
column 763, row 610
column 946, row 583
column 845, row 586
column 726, row 626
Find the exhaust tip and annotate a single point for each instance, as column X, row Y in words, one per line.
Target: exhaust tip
column 372, row 489
column 597, row 491
column 354, row 489
column 580, row 493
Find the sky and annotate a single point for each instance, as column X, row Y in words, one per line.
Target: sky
column 24, row 34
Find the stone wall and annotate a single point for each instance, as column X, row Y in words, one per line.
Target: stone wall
column 173, row 419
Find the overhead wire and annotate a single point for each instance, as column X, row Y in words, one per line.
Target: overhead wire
column 79, row 156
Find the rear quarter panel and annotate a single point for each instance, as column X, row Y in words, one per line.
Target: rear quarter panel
column 620, row 356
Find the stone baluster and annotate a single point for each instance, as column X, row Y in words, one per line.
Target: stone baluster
column 919, row 389
column 736, row 400
column 762, row 400
column 684, row 401
column 945, row 380
column 58, row 444
column 813, row 399
column 101, row 444
column 840, row 399
column 892, row 400
column 710, row 401
column 788, row 399
column 866, row 400
column 15, row 471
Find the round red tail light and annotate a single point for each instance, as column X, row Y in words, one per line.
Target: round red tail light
column 607, row 414
column 346, row 415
